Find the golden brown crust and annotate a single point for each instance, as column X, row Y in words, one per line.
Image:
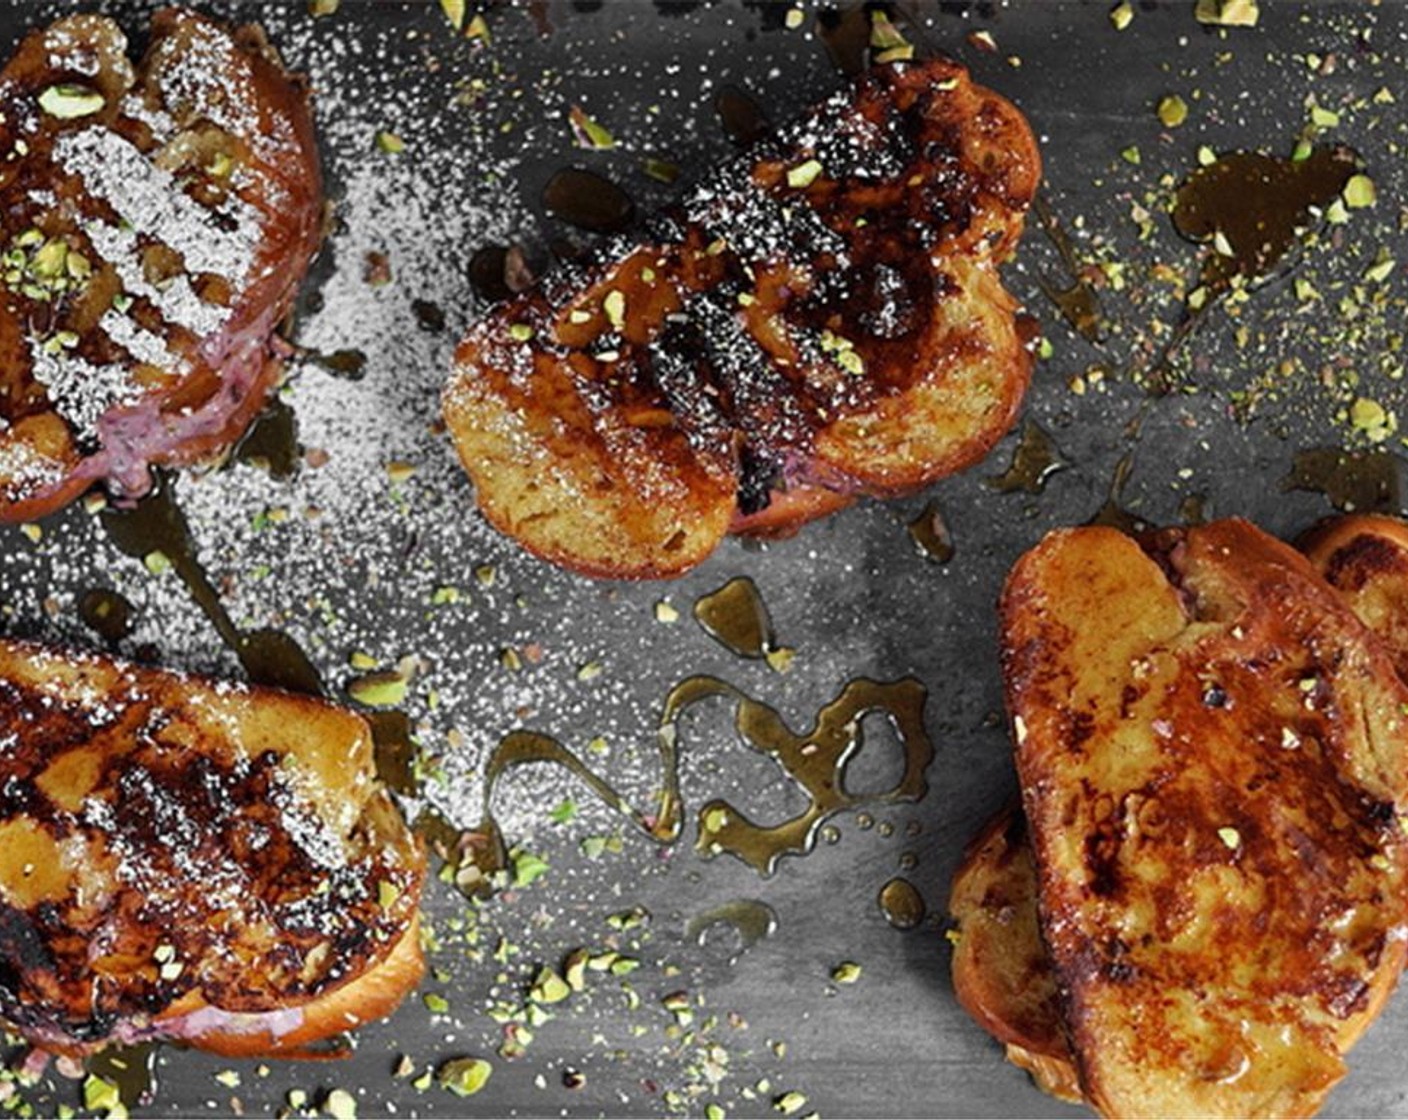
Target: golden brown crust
column 1212, row 762
column 1365, row 558
column 158, row 220
column 822, row 316
column 175, row 852
column 1001, row 970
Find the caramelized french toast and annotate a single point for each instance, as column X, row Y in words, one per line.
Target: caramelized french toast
column 1211, row 749
column 1001, row 971
column 818, row 319
column 187, row 860
column 157, row 220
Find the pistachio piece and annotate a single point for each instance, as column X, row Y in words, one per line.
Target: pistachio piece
column 464, row 1076
column 69, row 102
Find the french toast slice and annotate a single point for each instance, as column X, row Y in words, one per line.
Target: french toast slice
column 818, row 319
column 205, row 862
column 1211, row 749
column 1001, row 971
column 158, row 219
column 1364, row 557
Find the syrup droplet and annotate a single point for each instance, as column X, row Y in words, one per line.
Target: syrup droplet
column 845, row 33
column 901, row 903
column 736, row 616
column 742, row 117
column 131, row 1068
column 1366, row 481
column 752, row 920
column 586, row 200
column 272, row 441
column 429, row 315
column 1034, row 460
column 1253, row 207
column 106, row 612
column 348, row 364
column 1113, row 513
column 931, row 535
column 395, row 752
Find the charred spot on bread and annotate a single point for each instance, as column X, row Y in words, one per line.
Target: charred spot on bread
column 190, row 860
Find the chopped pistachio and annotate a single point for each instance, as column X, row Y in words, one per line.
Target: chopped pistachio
column 387, row 893
column 1359, row 192
column 549, row 987
column 1227, row 13
column 1173, row 110
column 794, row 18
column 435, row 1003
column 101, row 1095
column 791, row 1102
column 69, row 102
column 340, row 1105
column 454, row 12
column 528, row 868
column 1321, row 117
column 614, row 305
column 378, row 690
column 574, row 969
column 662, row 171
column 156, row 562
column 1229, row 836
column 520, row 332
column 666, row 612
column 622, row 965
column 588, row 132
column 1131, row 155
column 847, row 972
column 780, row 660
column 323, row 7
column 230, row 1078
column 589, row 671
column 714, row 1111
column 34, row 532
column 804, row 174
column 565, row 811
column 389, row 142
column 1122, row 15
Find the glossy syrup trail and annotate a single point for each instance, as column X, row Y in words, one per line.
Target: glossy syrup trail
column 816, row 761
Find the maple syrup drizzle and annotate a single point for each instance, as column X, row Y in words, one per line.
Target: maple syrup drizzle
column 1077, row 301
column 816, row 761
column 1253, row 207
